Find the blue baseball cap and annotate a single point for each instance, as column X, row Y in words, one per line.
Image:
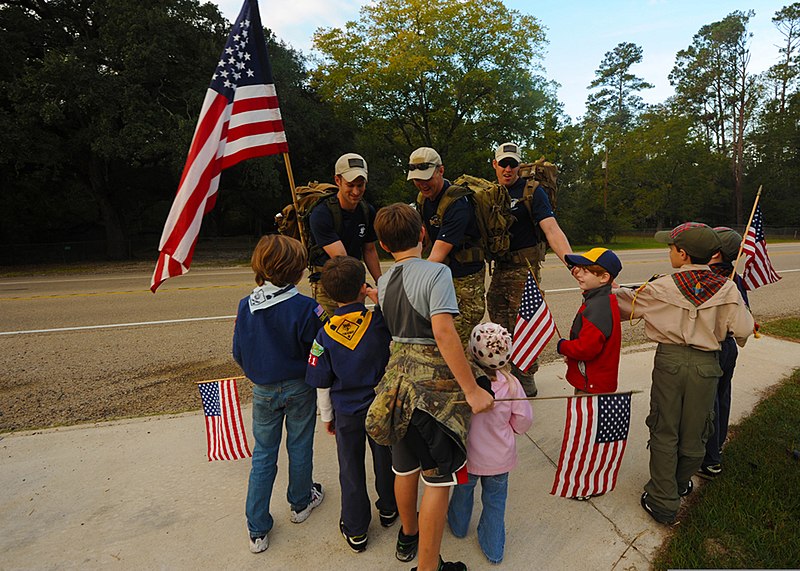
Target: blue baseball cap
column 602, row 257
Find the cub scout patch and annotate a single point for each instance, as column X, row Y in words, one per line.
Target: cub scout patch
column 348, row 329
column 316, row 351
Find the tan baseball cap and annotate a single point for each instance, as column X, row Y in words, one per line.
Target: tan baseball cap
column 351, row 166
column 507, row 150
column 422, row 163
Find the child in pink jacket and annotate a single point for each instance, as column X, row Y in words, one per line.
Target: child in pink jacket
column 491, row 443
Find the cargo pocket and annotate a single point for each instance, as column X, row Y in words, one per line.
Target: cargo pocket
column 709, row 370
column 708, row 429
column 652, row 420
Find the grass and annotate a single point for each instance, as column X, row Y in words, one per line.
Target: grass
column 748, row 518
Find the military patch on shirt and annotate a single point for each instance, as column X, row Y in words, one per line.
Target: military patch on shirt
column 348, row 329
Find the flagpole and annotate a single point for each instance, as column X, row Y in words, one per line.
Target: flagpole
column 582, row 395
column 216, row 380
column 746, row 230
column 533, row 275
column 290, row 174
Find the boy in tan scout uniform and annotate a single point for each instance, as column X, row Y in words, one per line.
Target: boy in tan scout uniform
column 688, row 313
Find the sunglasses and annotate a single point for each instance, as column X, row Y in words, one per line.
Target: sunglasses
column 508, row 162
column 421, row 166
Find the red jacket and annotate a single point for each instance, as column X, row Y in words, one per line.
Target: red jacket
column 593, row 347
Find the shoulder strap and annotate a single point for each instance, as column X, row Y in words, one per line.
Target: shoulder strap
column 453, row 193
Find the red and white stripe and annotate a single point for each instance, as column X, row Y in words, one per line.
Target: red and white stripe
column 226, row 134
column 758, row 270
column 531, row 337
column 225, row 434
column 586, row 468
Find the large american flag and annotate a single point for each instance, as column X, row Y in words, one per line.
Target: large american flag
column 758, row 270
column 225, row 433
column 534, row 327
column 240, row 119
column 595, row 436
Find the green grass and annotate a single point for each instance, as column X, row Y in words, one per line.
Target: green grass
column 788, row 328
column 749, row 517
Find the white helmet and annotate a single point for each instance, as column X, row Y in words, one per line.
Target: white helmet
column 490, row 345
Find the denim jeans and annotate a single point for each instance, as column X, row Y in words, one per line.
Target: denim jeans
column 491, row 526
column 295, row 402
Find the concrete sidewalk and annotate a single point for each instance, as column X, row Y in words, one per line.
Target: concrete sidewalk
column 140, row 494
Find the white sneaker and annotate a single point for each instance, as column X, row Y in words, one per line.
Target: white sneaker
column 259, row 544
column 316, row 499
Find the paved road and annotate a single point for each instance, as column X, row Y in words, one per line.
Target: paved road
column 188, row 322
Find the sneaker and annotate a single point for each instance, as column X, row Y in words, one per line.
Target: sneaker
column 667, row 520
column 316, row 499
column 687, row 490
column 406, row 548
column 582, row 498
column 448, row 566
column 387, row 518
column 357, row 543
column 710, row 472
column 259, row 544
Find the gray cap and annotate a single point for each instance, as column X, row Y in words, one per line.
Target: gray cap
column 351, row 166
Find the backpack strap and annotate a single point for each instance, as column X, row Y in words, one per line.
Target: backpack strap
column 470, row 250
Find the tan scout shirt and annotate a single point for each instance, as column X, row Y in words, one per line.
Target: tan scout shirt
column 671, row 318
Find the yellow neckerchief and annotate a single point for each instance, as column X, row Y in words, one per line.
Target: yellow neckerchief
column 348, row 329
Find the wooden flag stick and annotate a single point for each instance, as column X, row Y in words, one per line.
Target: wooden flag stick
column 558, row 397
column 216, row 380
column 533, row 275
column 746, row 230
column 290, row 175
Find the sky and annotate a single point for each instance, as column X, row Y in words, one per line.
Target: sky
column 579, row 33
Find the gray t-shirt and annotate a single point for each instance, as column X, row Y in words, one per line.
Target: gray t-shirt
column 410, row 293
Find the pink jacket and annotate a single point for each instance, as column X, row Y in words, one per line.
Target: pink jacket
column 491, row 441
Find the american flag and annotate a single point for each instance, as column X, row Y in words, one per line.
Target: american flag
column 534, row 327
column 224, row 426
column 758, row 270
column 240, row 119
column 595, row 435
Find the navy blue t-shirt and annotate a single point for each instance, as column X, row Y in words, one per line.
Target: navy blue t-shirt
column 523, row 231
column 459, row 222
column 356, row 231
column 351, row 374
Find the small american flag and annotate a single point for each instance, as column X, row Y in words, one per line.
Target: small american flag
column 758, row 270
column 534, row 327
column 224, row 426
column 595, row 436
column 240, row 119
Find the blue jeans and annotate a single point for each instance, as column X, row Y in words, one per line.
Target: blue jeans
column 295, row 401
column 491, row 526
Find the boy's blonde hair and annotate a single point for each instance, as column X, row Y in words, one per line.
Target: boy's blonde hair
column 279, row 260
column 398, row 226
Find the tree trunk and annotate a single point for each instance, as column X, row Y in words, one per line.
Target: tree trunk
column 116, row 240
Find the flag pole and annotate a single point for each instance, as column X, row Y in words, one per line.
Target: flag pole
column 582, row 395
column 746, row 230
column 216, row 380
column 533, row 275
column 290, row 175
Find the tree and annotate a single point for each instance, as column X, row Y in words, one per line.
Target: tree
column 618, row 101
column 785, row 73
column 713, row 83
column 448, row 74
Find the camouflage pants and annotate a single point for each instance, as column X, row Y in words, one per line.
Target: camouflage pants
column 470, row 293
column 503, row 299
column 321, row 296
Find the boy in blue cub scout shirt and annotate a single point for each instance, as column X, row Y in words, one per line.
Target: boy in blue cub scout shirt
column 275, row 327
column 347, row 360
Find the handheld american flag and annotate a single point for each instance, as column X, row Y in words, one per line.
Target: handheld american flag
column 595, row 436
column 758, row 270
column 534, row 327
column 240, row 119
column 225, row 433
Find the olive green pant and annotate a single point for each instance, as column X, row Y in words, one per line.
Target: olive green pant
column 470, row 294
column 321, row 297
column 680, row 421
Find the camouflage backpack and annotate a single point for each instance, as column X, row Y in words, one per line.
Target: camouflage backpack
column 288, row 220
column 492, row 212
column 539, row 173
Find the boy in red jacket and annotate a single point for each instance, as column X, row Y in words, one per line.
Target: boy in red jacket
column 592, row 351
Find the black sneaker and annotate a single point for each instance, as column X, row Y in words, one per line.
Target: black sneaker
column 710, row 472
column 357, row 543
column 448, row 566
column 667, row 520
column 407, row 545
column 387, row 518
column 687, row 490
